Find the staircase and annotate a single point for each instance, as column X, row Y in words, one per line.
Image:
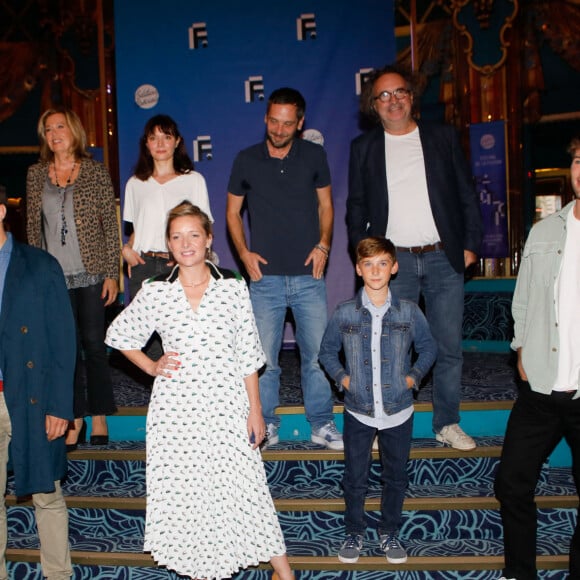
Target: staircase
column 451, row 525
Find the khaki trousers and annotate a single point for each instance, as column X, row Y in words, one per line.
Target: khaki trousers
column 50, row 511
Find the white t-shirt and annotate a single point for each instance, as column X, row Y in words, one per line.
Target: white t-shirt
column 147, row 204
column 568, row 294
column 410, row 221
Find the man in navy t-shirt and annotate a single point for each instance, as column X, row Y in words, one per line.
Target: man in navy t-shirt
column 285, row 182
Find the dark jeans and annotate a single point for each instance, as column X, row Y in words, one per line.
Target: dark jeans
column 536, row 425
column 95, row 397
column 394, row 445
column 152, row 267
column 430, row 275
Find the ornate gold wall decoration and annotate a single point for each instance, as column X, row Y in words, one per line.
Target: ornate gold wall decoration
column 489, row 21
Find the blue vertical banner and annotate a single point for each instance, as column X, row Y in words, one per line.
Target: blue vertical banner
column 488, row 160
column 212, row 65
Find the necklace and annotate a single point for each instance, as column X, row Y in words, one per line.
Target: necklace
column 195, row 284
column 62, row 191
column 69, row 177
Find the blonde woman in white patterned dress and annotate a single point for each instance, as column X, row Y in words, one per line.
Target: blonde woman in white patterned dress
column 209, row 509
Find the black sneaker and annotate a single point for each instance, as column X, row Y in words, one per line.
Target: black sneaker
column 393, row 549
column 350, row 549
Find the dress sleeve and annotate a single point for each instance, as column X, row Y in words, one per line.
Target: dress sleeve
column 133, row 327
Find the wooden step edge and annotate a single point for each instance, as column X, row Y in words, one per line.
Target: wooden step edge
column 426, row 563
column 464, row 563
column 110, row 454
column 329, row 505
column 420, row 407
column 439, row 452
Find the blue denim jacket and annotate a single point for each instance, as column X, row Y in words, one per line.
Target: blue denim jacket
column 349, row 331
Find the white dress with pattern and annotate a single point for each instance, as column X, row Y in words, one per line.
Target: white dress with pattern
column 209, row 509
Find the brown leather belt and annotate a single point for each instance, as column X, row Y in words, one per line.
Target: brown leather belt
column 160, row 255
column 421, row 249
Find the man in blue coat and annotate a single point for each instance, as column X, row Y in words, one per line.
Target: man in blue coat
column 409, row 182
column 37, row 360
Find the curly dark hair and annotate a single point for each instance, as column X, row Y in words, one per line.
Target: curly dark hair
column 413, row 81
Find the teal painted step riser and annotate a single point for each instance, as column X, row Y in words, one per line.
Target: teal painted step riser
column 296, row 428
column 25, row 571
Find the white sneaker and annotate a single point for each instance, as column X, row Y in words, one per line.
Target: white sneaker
column 376, row 443
column 329, row 436
column 272, row 437
column 454, row 436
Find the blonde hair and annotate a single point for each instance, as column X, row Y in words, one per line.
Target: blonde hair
column 79, row 144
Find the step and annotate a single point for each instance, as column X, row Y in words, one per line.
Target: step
column 310, row 478
column 31, row 571
column 451, row 515
column 436, row 540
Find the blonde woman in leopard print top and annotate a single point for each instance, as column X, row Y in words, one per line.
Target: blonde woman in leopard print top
column 71, row 213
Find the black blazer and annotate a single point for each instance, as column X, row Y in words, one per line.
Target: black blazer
column 452, row 194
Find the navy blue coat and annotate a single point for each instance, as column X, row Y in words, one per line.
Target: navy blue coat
column 452, row 194
column 37, row 358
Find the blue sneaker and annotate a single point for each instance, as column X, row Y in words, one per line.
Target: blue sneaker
column 393, row 549
column 272, row 437
column 350, row 549
column 329, row 436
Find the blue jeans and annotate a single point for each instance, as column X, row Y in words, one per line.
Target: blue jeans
column 536, row 425
column 306, row 297
column 430, row 275
column 395, row 445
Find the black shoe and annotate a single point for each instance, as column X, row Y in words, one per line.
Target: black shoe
column 99, row 439
column 80, row 439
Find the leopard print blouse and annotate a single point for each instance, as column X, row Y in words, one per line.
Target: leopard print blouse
column 95, row 214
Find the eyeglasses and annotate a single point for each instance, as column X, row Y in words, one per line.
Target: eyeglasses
column 385, row 96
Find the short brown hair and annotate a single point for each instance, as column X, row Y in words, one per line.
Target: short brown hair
column 574, row 146
column 374, row 246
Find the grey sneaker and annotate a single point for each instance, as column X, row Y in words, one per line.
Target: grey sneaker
column 272, row 437
column 329, row 436
column 350, row 549
column 393, row 549
column 455, row 436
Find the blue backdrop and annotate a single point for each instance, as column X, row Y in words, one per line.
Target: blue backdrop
column 212, row 65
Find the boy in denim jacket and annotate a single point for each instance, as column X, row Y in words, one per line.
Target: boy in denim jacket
column 376, row 332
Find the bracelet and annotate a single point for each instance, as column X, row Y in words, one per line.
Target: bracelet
column 322, row 248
